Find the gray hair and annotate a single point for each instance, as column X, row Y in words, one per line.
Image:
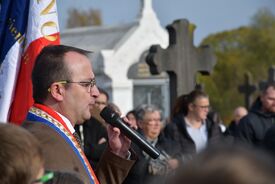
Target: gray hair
column 144, row 108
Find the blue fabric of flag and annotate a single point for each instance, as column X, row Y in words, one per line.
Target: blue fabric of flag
column 13, row 22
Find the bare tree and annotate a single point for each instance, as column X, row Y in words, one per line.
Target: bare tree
column 84, row 18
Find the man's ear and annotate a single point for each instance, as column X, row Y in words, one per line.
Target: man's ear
column 57, row 91
column 190, row 107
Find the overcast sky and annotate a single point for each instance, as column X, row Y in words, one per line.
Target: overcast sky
column 210, row 16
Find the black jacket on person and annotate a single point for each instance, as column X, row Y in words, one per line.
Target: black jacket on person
column 269, row 140
column 253, row 127
column 232, row 129
column 139, row 174
column 177, row 131
column 93, row 131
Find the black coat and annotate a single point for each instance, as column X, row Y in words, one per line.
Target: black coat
column 177, row 131
column 139, row 174
column 232, row 129
column 93, row 131
column 252, row 128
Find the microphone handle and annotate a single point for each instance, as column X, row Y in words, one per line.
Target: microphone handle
column 137, row 138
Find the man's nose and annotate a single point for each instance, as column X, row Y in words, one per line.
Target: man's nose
column 94, row 92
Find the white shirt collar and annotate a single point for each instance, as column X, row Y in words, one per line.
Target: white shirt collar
column 67, row 122
column 190, row 125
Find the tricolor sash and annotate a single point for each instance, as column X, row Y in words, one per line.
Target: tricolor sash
column 47, row 116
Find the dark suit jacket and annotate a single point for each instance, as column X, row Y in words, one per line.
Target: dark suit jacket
column 60, row 156
column 93, row 131
column 140, row 174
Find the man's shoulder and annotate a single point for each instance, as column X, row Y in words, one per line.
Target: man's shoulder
column 250, row 118
column 254, row 121
column 34, row 126
column 51, row 141
column 58, row 154
column 43, row 132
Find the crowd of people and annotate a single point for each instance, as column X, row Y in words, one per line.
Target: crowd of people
column 64, row 139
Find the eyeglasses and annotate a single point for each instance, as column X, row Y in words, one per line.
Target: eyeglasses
column 203, row 106
column 153, row 122
column 46, row 177
column 86, row 84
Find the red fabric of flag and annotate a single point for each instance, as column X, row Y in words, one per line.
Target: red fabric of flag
column 42, row 30
column 23, row 93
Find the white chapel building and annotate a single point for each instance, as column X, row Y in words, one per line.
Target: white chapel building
column 119, row 59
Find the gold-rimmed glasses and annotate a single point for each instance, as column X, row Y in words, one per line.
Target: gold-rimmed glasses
column 86, row 84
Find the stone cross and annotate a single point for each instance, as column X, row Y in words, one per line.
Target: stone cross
column 271, row 77
column 181, row 59
column 247, row 88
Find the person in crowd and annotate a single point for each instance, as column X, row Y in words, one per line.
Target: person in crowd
column 64, row 91
column 21, row 158
column 252, row 128
column 228, row 165
column 177, row 108
column 131, row 115
column 216, row 118
column 93, row 131
column 238, row 114
column 269, row 141
column 147, row 170
column 64, row 178
column 190, row 127
column 95, row 134
column 115, row 108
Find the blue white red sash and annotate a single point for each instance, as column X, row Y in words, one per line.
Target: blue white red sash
column 49, row 117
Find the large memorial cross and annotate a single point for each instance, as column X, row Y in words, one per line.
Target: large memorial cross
column 181, row 59
column 248, row 88
column 270, row 79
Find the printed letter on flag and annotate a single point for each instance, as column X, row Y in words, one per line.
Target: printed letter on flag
column 26, row 26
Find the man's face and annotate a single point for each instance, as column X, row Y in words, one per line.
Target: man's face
column 268, row 100
column 79, row 99
column 131, row 117
column 151, row 124
column 239, row 113
column 200, row 108
column 101, row 101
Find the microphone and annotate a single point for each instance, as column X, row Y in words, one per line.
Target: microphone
column 113, row 118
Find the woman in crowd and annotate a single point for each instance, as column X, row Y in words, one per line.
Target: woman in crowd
column 190, row 127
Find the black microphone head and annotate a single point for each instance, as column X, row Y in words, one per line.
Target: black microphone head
column 109, row 115
column 114, row 119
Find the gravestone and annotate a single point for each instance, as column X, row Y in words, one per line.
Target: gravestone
column 247, row 88
column 271, row 77
column 181, row 59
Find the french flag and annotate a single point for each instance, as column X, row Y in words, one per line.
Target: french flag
column 26, row 26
